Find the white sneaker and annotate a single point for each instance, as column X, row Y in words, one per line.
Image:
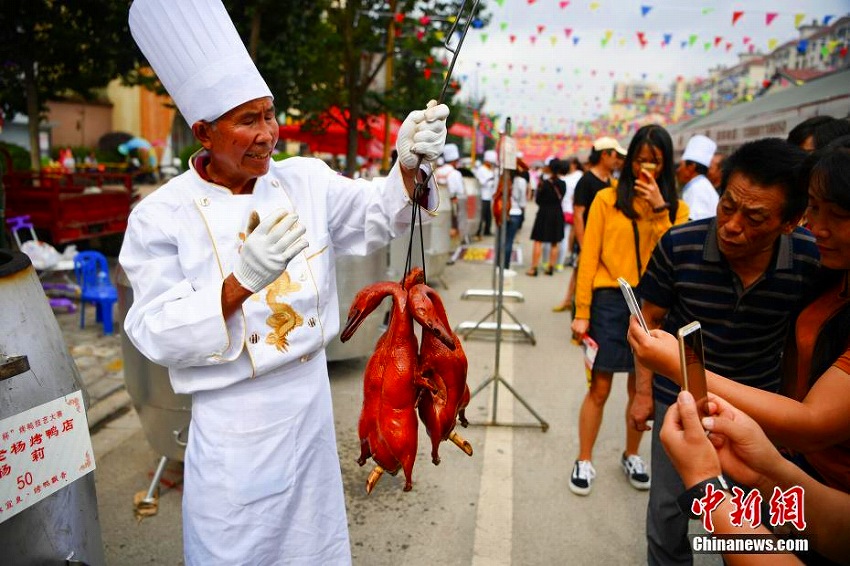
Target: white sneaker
column 635, row 470
column 582, row 477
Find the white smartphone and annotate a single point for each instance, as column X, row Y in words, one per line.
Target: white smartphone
column 692, row 359
column 634, row 307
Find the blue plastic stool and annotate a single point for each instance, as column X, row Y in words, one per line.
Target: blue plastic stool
column 92, row 272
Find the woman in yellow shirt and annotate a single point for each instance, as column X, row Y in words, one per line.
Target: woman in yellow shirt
column 623, row 226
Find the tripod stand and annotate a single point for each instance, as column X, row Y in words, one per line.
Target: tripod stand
column 516, row 329
column 507, row 161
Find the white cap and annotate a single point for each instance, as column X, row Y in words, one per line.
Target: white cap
column 609, row 143
column 197, row 54
column 700, row 149
column 490, row 156
column 450, row 152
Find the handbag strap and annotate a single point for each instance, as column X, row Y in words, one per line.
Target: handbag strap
column 637, row 247
column 557, row 192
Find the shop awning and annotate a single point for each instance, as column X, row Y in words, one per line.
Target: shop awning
column 330, row 134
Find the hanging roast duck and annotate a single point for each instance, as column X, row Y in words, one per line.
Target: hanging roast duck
column 444, row 398
column 388, row 426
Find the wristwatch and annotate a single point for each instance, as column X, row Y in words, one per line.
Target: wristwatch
column 686, row 500
column 664, row 206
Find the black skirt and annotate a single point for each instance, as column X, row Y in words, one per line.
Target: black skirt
column 548, row 225
column 609, row 324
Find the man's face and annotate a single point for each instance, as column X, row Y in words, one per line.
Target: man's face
column 685, row 172
column 610, row 160
column 715, row 170
column 830, row 223
column 242, row 141
column 619, row 161
column 749, row 218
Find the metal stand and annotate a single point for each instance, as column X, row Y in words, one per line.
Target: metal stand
column 499, row 276
column 492, row 330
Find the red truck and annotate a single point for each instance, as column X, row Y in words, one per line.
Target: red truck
column 67, row 207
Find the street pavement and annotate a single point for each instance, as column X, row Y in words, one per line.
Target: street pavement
column 509, row 504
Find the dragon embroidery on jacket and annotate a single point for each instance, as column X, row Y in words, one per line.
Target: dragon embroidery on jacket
column 283, row 319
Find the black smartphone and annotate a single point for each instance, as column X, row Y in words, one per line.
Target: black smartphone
column 634, row 307
column 692, row 359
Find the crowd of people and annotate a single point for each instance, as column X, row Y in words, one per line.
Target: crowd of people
column 759, row 255
column 755, row 245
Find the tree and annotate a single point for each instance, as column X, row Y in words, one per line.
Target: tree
column 365, row 30
column 322, row 54
column 53, row 48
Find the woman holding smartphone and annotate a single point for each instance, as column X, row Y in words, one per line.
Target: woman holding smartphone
column 622, row 229
column 813, row 419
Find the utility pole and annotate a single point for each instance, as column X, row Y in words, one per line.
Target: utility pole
column 472, row 153
column 385, row 161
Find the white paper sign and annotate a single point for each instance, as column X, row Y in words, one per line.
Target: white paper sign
column 508, row 156
column 42, row 450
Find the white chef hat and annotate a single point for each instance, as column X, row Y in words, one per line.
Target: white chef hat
column 197, row 54
column 450, row 152
column 490, row 156
column 700, row 149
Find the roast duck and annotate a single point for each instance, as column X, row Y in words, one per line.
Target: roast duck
column 443, row 370
column 498, row 200
column 399, row 376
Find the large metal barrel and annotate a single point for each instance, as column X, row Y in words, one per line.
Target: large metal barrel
column 436, row 234
column 36, row 368
column 352, row 274
column 165, row 415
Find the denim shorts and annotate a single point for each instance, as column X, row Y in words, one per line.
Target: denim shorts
column 609, row 324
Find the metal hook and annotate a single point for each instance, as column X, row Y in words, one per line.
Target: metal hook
column 456, row 49
column 419, row 186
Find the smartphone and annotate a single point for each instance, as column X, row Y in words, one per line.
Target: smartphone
column 634, row 307
column 692, row 359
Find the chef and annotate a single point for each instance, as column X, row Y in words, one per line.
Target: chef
column 448, row 176
column 234, row 285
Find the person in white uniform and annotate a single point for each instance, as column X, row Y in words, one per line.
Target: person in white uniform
column 232, row 269
column 697, row 190
column 449, row 177
column 486, row 175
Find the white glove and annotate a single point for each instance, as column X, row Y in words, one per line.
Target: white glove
column 268, row 248
column 423, row 133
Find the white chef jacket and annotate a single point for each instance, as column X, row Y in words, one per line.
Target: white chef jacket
column 262, row 481
column 701, row 198
column 487, row 179
column 449, row 177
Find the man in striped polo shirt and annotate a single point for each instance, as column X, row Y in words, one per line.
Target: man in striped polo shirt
column 744, row 275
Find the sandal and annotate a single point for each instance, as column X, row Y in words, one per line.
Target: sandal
column 562, row 307
column 549, row 271
column 532, row 272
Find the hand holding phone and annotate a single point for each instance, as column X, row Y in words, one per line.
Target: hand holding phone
column 692, row 359
column 631, row 301
column 648, row 169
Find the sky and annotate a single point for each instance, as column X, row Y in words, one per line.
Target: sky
column 549, row 64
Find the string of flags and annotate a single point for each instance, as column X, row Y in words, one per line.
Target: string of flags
column 558, row 28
